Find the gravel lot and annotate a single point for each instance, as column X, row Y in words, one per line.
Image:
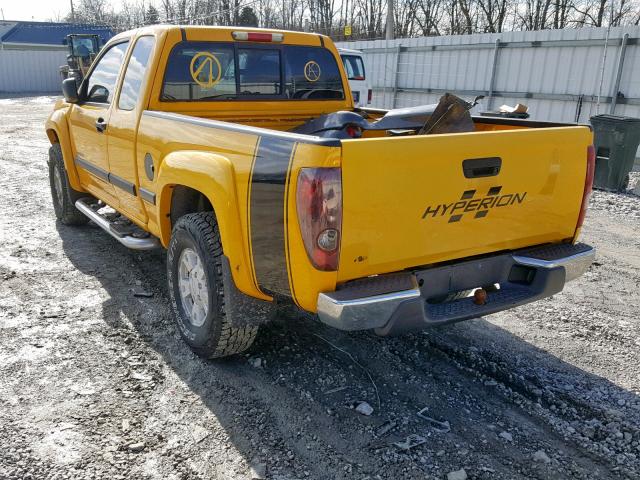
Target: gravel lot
column 96, row 383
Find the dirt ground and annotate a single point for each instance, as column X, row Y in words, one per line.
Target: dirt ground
column 96, row 383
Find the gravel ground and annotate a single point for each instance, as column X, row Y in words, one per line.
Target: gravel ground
column 96, row 383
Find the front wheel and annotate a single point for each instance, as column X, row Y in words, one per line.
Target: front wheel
column 196, row 289
column 63, row 196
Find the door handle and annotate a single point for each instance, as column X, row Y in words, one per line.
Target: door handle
column 101, row 125
column 481, row 167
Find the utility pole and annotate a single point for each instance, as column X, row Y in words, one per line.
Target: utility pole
column 390, row 28
column 73, row 14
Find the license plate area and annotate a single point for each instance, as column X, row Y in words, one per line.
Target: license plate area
column 444, row 280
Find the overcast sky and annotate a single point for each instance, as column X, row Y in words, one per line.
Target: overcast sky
column 40, row 10
column 34, row 9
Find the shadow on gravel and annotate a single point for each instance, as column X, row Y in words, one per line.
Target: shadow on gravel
column 293, row 412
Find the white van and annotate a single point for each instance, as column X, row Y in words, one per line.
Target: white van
column 354, row 67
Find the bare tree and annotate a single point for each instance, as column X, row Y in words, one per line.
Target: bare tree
column 367, row 17
column 430, row 20
column 535, row 14
column 493, row 14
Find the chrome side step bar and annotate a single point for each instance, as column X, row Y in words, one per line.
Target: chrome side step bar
column 148, row 243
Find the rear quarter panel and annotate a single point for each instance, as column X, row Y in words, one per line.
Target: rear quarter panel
column 250, row 178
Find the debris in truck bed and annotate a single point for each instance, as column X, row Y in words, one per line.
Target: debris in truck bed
column 450, row 116
column 519, row 108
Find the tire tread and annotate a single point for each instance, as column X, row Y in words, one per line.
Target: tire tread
column 68, row 214
column 224, row 339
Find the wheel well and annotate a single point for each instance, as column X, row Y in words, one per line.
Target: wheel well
column 186, row 200
column 53, row 136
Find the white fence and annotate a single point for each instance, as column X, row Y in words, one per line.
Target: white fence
column 31, row 71
column 562, row 75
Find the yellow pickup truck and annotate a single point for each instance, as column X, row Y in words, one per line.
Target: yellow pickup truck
column 240, row 152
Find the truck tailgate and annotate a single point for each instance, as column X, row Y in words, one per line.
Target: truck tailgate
column 418, row 200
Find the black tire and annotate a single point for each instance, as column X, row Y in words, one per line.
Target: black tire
column 63, row 196
column 215, row 337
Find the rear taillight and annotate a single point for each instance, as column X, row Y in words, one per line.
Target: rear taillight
column 319, row 203
column 369, row 95
column 258, row 36
column 588, row 183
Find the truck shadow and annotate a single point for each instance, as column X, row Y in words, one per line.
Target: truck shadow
column 288, row 402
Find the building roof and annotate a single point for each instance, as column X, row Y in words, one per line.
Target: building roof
column 50, row 33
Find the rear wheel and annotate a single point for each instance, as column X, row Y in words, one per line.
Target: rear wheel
column 196, row 289
column 63, row 196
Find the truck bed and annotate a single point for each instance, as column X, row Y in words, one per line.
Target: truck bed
column 407, row 201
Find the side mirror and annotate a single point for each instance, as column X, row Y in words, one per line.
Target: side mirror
column 98, row 93
column 70, row 90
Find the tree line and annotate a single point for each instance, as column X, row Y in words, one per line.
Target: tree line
column 366, row 19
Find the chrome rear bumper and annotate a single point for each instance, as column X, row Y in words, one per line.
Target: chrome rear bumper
column 575, row 265
column 405, row 301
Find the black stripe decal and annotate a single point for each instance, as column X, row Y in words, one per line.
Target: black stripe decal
column 102, row 174
column 147, row 195
column 286, row 222
column 92, row 169
column 122, row 184
column 253, row 163
column 267, row 227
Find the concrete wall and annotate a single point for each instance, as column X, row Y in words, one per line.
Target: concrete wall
column 31, row 71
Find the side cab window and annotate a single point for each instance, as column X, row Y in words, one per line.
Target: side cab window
column 136, row 73
column 101, row 84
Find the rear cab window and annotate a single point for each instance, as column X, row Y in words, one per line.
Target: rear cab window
column 354, row 67
column 203, row 71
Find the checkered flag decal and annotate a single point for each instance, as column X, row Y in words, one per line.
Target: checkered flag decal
column 468, row 195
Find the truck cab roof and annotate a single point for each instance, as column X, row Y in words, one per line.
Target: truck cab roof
column 349, row 51
column 220, row 33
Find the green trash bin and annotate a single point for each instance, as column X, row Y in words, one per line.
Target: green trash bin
column 616, row 140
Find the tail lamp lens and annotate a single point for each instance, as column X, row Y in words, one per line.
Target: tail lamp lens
column 319, row 203
column 588, row 183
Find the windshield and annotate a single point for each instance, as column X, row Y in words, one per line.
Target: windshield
column 354, row 67
column 201, row 71
column 83, row 46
